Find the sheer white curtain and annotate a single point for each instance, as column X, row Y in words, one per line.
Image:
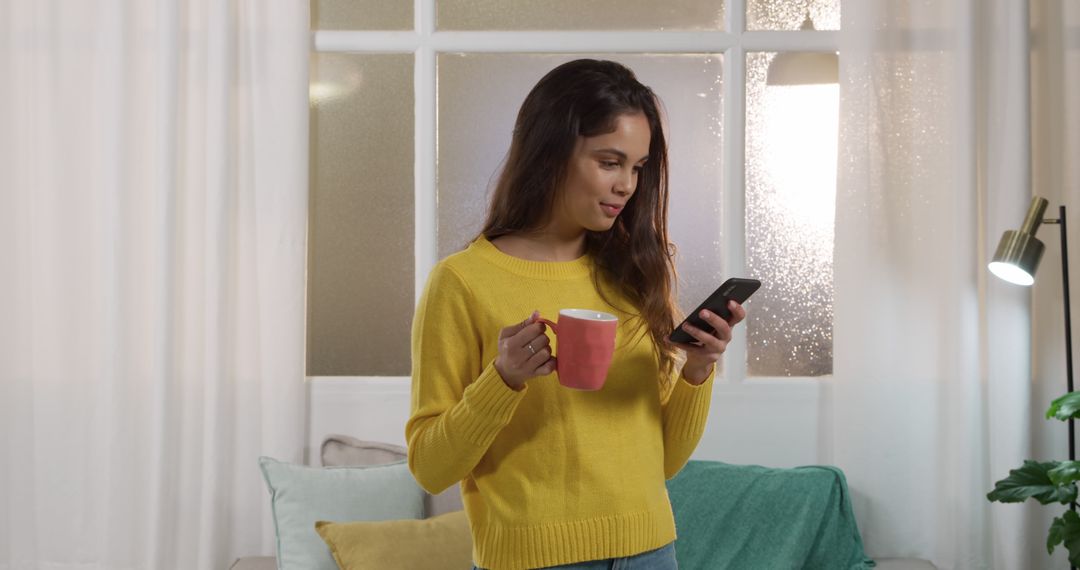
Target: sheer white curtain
column 934, row 397
column 153, row 170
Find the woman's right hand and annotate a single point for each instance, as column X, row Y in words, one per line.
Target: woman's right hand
column 524, row 352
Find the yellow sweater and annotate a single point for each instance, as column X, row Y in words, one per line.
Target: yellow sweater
column 549, row 475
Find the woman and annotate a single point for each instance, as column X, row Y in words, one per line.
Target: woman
column 552, row 476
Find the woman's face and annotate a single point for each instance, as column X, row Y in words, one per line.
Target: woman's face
column 602, row 176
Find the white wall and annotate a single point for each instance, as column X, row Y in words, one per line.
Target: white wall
column 369, row 408
column 765, row 422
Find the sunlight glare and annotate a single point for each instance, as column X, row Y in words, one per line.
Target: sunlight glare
column 801, row 127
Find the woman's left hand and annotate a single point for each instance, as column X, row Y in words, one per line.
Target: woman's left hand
column 701, row 359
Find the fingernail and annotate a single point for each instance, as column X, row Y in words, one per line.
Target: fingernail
column 704, row 314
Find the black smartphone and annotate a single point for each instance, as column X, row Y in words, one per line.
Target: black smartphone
column 735, row 289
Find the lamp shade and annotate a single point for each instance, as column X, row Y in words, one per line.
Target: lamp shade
column 1017, row 257
column 1019, row 251
column 803, row 68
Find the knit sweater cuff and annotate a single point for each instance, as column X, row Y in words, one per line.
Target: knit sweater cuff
column 490, row 404
column 688, row 407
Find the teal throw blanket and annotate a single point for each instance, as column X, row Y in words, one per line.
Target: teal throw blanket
column 748, row 517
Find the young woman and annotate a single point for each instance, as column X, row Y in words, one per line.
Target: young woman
column 552, row 476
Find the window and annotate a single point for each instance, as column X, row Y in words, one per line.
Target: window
column 412, row 103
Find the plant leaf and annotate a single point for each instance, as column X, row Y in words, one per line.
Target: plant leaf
column 1066, row 472
column 1056, row 534
column 1070, row 534
column 1032, row 481
column 1065, row 408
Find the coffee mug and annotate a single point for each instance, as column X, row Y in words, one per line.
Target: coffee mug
column 586, row 344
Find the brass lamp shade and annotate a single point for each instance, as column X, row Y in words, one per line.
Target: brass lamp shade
column 1017, row 257
column 1018, row 253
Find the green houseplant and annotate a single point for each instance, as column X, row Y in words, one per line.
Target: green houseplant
column 1049, row 482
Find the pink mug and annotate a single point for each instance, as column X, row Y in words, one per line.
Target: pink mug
column 586, row 344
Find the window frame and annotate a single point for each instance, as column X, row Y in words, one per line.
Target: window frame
column 732, row 43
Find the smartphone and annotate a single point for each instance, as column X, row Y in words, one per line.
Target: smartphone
column 735, row 289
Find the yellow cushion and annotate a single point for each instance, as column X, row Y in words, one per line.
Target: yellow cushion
column 437, row 543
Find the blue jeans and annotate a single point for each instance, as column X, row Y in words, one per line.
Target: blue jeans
column 662, row 558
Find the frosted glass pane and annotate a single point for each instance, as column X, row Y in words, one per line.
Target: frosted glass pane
column 360, row 256
column 578, row 15
column 791, row 142
column 479, row 96
column 362, row 14
column 789, row 14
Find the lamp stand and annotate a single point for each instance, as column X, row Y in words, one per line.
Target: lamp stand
column 1068, row 326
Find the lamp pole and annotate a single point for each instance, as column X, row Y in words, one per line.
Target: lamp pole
column 1068, row 324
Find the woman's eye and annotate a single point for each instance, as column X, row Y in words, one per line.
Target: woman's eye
column 609, row 164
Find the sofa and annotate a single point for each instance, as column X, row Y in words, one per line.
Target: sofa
column 727, row 516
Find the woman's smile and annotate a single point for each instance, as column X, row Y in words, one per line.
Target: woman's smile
column 611, row 210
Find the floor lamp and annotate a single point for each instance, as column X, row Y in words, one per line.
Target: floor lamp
column 1015, row 261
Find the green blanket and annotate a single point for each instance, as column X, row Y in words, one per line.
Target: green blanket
column 750, row 517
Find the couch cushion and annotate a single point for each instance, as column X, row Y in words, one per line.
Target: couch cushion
column 437, row 543
column 343, row 450
column 302, row 495
column 446, row 502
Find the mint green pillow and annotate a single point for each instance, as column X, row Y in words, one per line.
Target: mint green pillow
column 301, row 495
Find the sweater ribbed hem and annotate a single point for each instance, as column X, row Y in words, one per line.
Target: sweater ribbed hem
column 688, row 407
column 490, row 405
column 510, row 548
column 580, row 267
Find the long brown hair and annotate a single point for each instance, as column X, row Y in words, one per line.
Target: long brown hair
column 584, row 98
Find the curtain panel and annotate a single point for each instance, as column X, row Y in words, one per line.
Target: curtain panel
column 153, row 170
column 939, row 388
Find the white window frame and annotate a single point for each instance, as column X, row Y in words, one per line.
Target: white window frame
column 425, row 42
